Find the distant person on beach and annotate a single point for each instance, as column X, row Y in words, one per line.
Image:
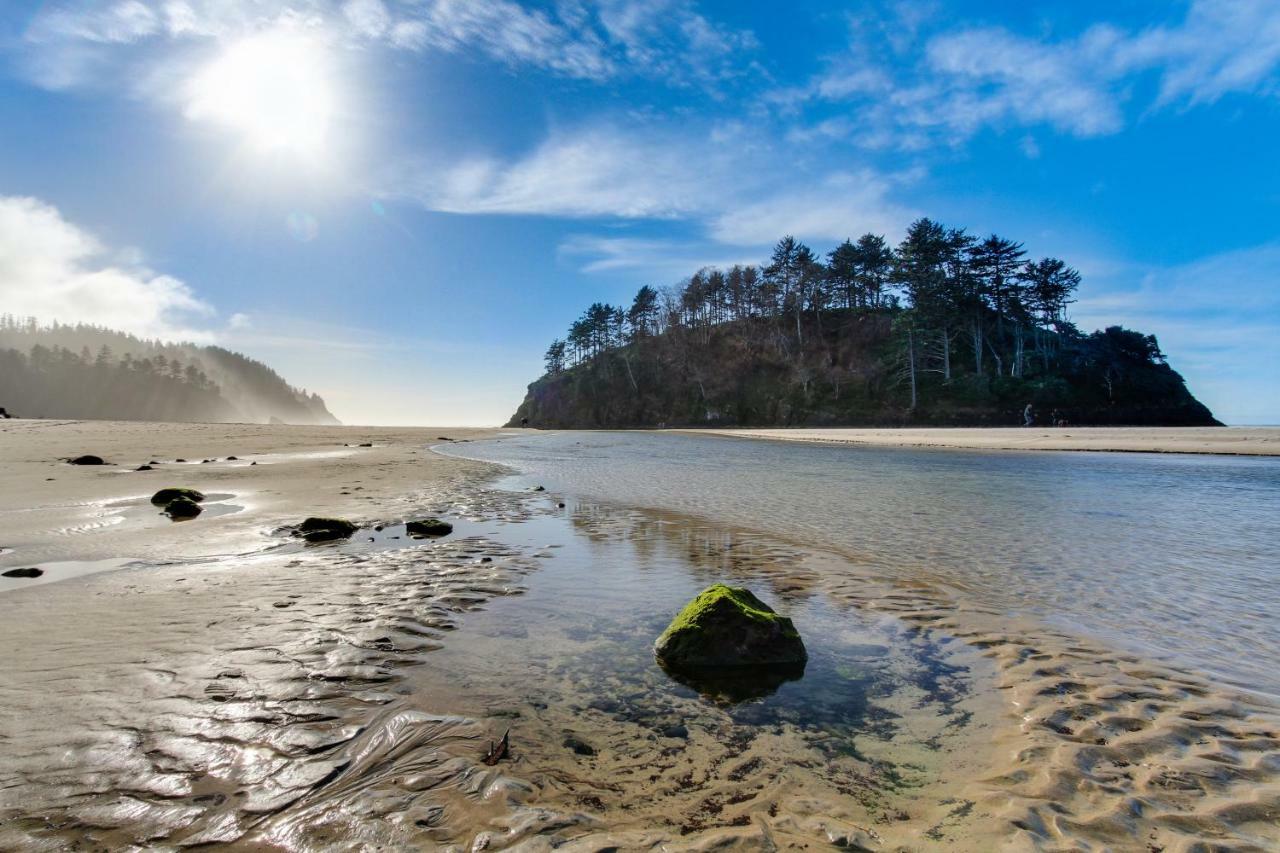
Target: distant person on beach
column 1028, row 416
column 524, row 422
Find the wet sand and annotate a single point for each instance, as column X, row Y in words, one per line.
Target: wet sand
column 237, row 688
column 1246, row 441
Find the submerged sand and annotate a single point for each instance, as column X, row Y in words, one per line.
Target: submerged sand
column 236, row 688
column 1244, row 441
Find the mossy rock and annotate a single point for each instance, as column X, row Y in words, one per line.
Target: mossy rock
column 182, row 508
column 428, row 527
column 326, row 529
column 164, row 496
column 726, row 626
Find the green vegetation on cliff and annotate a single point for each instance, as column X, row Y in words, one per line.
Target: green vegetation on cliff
column 943, row 329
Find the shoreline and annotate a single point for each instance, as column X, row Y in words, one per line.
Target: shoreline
column 245, row 689
column 1216, row 441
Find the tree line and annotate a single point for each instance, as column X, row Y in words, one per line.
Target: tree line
column 943, row 327
column 950, row 294
column 82, row 370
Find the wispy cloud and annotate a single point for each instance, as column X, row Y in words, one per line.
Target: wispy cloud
column 589, row 172
column 71, row 44
column 53, row 270
column 728, row 181
column 920, row 87
column 659, row 260
column 841, row 205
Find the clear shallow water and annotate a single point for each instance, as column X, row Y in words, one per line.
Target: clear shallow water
column 1174, row 556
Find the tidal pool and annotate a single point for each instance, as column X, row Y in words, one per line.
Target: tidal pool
column 880, row 715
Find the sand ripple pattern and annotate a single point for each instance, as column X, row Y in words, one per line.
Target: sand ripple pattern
column 1109, row 751
column 268, row 704
column 266, row 709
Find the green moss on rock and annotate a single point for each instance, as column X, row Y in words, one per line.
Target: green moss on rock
column 428, row 527
column 326, row 529
column 729, row 626
column 164, row 496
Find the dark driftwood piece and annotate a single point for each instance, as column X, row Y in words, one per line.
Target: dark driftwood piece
column 498, row 751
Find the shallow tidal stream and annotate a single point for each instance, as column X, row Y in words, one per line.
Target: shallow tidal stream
column 1171, row 556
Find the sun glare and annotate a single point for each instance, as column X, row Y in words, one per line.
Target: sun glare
column 274, row 89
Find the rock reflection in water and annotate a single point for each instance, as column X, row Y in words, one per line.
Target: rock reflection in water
column 735, row 684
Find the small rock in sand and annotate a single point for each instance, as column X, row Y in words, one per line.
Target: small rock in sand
column 173, row 493
column 87, row 459
column 23, row 573
column 326, row 529
column 144, row 468
column 428, row 527
column 579, row 747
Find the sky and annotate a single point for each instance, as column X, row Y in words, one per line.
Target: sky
column 399, row 203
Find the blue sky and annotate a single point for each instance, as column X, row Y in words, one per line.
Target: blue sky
column 399, row 203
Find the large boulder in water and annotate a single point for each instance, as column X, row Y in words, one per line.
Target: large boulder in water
column 164, row 496
column 326, row 529
column 728, row 626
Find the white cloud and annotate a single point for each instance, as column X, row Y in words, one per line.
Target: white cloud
column 369, row 18
column 70, row 44
column 1222, row 47
column 941, row 87
column 729, row 181
column 52, row 270
column 659, row 260
column 844, row 205
column 593, row 172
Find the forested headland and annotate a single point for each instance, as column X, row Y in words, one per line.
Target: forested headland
column 83, row 371
column 943, row 329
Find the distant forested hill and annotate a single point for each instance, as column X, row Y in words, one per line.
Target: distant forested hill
column 943, row 329
column 82, row 371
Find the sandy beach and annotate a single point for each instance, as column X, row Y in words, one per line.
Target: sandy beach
column 1245, row 441
column 220, row 683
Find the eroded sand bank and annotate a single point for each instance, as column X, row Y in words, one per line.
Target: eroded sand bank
column 239, row 688
column 1246, row 441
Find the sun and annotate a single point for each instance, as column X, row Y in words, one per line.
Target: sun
column 275, row 89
